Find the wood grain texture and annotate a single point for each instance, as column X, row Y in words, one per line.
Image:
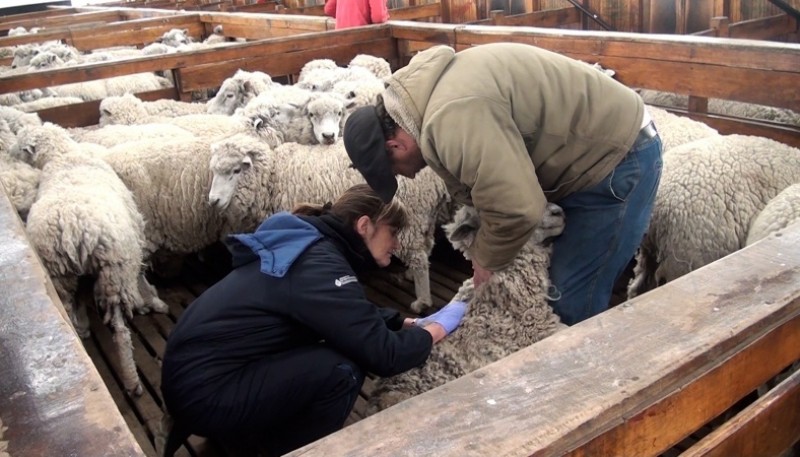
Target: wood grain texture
column 608, row 373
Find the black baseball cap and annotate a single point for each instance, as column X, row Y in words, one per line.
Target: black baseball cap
column 366, row 146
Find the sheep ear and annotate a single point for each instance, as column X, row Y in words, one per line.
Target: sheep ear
column 257, row 122
column 461, row 232
column 247, row 161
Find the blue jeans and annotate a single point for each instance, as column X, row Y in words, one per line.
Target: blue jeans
column 604, row 227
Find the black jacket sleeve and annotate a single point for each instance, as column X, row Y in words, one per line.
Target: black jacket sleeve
column 392, row 318
column 326, row 297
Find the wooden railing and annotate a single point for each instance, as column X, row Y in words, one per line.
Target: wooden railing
column 54, row 401
column 776, row 28
column 631, row 381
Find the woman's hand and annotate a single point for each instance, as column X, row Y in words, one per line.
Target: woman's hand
column 479, row 274
column 443, row 322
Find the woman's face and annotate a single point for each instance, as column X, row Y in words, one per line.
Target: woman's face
column 380, row 238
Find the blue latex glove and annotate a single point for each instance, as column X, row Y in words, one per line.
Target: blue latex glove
column 448, row 317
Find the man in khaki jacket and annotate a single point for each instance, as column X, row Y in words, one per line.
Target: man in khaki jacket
column 509, row 127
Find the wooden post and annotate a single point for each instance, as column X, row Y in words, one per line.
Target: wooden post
column 720, row 25
column 680, row 17
column 635, row 16
column 722, row 8
column 497, row 16
column 698, row 104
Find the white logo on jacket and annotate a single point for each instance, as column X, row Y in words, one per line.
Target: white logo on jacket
column 345, row 280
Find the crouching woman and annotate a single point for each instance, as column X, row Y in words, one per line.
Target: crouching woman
column 273, row 356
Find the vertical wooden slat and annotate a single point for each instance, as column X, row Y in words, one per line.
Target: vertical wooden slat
column 680, row 17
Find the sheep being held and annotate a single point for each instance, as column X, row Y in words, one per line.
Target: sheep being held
column 509, row 312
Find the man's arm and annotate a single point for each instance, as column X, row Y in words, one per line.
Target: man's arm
column 330, row 8
column 478, row 143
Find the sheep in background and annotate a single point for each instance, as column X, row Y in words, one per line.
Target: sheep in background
column 170, row 181
column 20, row 180
column 127, row 109
column 114, row 135
column 780, row 212
column 175, row 38
column 38, row 145
column 46, row 102
column 315, row 64
column 24, row 96
column 318, row 121
column 85, row 222
column 726, row 107
column 323, row 79
column 508, row 313
column 359, row 93
column 677, row 130
column 710, row 192
column 378, row 66
column 236, row 91
column 17, row 119
column 252, row 181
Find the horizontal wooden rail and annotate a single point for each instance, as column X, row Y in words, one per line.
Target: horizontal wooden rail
column 7, row 22
column 634, row 380
column 556, row 18
column 54, row 401
column 767, row 28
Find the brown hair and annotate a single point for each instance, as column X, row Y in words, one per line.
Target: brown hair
column 359, row 200
column 388, row 125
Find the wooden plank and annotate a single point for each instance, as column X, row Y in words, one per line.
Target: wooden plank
column 767, row 427
column 55, row 402
column 764, row 28
column 599, row 376
column 5, row 20
column 64, row 20
column 728, row 126
column 711, row 68
column 88, row 113
column 427, row 11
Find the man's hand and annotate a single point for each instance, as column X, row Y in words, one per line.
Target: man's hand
column 479, row 274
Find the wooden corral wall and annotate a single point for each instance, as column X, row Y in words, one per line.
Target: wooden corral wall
column 632, row 381
column 54, row 401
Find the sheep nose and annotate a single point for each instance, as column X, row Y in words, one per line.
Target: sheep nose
column 328, row 136
column 213, row 201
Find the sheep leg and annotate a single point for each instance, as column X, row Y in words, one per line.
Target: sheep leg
column 124, row 345
column 422, row 287
column 66, row 288
column 150, row 300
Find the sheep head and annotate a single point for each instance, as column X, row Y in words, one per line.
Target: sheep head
column 325, row 113
column 38, row 145
column 464, row 228
column 232, row 158
column 122, row 110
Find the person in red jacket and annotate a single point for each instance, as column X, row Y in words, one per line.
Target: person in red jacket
column 354, row 13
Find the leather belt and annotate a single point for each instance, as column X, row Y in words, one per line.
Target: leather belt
column 646, row 133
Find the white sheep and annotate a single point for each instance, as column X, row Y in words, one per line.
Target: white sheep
column 323, row 79
column 24, row 96
column 780, row 212
column 710, row 192
column 84, row 222
column 46, row 102
column 318, row 121
column 315, row 64
column 236, row 91
column 378, row 66
column 17, row 119
column 175, row 37
column 114, row 135
column 676, row 130
column 726, row 107
column 508, row 313
column 252, row 181
column 20, row 180
column 359, row 93
column 128, row 109
column 170, row 181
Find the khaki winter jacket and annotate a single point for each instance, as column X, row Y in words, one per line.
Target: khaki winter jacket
column 512, row 126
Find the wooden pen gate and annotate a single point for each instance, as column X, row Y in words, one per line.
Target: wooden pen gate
column 641, row 379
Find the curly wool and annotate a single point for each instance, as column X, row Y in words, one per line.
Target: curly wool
column 710, row 192
column 780, row 212
column 506, row 314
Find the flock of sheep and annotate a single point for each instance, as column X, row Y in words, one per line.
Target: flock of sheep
column 175, row 177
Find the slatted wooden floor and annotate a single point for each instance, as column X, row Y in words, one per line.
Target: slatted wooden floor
column 149, row 334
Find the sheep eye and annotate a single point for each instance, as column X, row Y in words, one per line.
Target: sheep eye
column 106, row 112
column 352, row 94
column 236, row 171
column 229, row 95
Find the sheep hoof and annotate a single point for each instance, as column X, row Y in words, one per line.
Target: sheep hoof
column 158, row 306
column 420, row 304
column 136, row 391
